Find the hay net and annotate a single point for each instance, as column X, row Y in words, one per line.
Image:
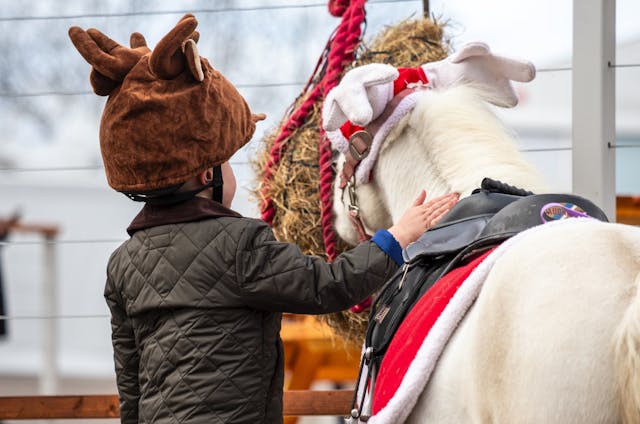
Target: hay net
column 292, row 189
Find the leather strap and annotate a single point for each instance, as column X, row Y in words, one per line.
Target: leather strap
column 359, row 148
column 359, row 145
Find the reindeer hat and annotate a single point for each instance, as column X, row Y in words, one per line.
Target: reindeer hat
column 169, row 115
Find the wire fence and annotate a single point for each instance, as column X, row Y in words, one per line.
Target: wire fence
column 265, row 85
column 256, row 85
column 183, row 11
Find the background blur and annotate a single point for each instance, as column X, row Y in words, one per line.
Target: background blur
column 51, row 170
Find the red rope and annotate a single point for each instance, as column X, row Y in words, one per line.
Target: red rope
column 342, row 54
column 342, row 48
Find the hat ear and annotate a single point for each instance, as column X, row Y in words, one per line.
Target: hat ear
column 169, row 59
column 110, row 61
column 193, row 59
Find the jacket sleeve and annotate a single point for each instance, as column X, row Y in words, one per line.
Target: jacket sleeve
column 125, row 355
column 277, row 276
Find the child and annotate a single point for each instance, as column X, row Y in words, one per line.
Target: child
column 196, row 294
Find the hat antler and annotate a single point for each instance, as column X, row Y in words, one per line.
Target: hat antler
column 176, row 50
column 110, row 61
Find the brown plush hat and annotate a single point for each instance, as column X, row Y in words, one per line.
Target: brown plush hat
column 169, row 115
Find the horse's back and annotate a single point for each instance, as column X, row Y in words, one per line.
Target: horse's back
column 537, row 346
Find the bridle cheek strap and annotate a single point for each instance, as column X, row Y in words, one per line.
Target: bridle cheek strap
column 359, row 147
column 360, row 141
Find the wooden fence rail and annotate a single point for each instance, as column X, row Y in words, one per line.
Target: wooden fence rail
column 296, row 403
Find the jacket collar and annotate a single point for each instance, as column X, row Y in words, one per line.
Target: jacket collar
column 194, row 209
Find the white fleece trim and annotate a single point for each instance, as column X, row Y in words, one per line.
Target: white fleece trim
column 338, row 142
column 341, row 144
column 419, row 372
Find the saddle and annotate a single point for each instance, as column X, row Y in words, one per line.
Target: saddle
column 493, row 213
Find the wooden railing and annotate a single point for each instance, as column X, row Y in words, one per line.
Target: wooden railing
column 311, row 354
column 628, row 210
column 295, row 403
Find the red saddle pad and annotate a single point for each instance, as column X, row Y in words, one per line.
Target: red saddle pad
column 414, row 329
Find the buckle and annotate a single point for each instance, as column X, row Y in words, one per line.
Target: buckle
column 365, row 138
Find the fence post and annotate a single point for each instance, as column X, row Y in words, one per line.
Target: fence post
column 48, row 383
column 593, row 110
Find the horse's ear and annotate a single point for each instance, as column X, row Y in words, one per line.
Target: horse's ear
column 110, row 61
column 177, row 50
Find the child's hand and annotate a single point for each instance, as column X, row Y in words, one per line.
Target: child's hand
column 421, row 216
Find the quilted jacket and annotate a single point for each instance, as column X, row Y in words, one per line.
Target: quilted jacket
column 196, row 296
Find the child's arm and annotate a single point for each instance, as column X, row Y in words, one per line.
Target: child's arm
column 126, row 358
column 276, row 276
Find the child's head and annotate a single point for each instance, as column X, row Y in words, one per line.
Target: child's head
column 170, row 115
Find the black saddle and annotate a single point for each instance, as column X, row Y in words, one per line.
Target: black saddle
column 490, row 215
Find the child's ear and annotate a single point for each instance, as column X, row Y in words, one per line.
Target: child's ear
column 206, row 176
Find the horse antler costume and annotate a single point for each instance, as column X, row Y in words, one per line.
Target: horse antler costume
column 380, row 95
column 169, row 115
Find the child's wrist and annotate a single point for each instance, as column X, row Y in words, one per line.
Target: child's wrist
column 400, row 235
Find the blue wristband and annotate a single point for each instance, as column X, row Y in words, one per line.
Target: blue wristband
column 389, row 245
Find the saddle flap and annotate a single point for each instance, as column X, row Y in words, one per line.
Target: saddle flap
column 481, row 202
column 489, row 215
column 446, row 239
column 460, row 227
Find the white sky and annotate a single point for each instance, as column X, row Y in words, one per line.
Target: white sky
column 540, row 30
column 272, row 49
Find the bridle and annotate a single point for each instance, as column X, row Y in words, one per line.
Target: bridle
column 359, row 147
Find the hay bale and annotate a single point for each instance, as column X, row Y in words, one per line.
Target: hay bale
column 294, row 188
column 410, row 43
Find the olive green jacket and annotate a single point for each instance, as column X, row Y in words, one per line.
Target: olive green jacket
column 196, row 296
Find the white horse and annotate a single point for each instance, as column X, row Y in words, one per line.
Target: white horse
column 554, row 336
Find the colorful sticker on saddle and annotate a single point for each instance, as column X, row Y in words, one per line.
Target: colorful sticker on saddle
column 563, row 210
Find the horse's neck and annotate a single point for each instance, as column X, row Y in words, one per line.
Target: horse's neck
column 450, row 142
